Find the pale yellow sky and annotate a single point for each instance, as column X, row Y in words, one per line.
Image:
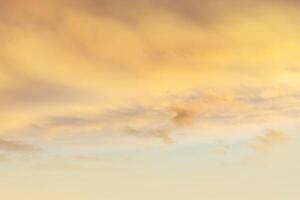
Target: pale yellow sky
column 80, row 79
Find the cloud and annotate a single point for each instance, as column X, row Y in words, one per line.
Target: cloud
column 187, row 110
column 87, row 158
column 160, row 133
column 37, row 92
column 192, row 115
column 156, row 119
column 16, row 146
column 268, row 140
column 182, row 116
column 159, row 67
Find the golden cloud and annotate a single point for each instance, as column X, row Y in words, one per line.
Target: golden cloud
column 16, row 146
column 102, row 66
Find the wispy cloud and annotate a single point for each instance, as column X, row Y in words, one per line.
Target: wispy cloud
column 161, row 133
column 270, row 139
column 16, row 146
column 175, row 115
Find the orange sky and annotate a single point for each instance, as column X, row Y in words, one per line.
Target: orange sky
column 84, row 77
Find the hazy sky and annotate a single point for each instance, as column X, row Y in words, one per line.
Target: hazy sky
column 149, row 99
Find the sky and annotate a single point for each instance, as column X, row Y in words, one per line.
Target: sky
column 149, row 99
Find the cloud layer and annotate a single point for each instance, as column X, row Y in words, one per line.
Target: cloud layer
column 152, row 69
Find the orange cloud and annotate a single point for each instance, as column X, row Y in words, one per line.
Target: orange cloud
column 74, row 67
